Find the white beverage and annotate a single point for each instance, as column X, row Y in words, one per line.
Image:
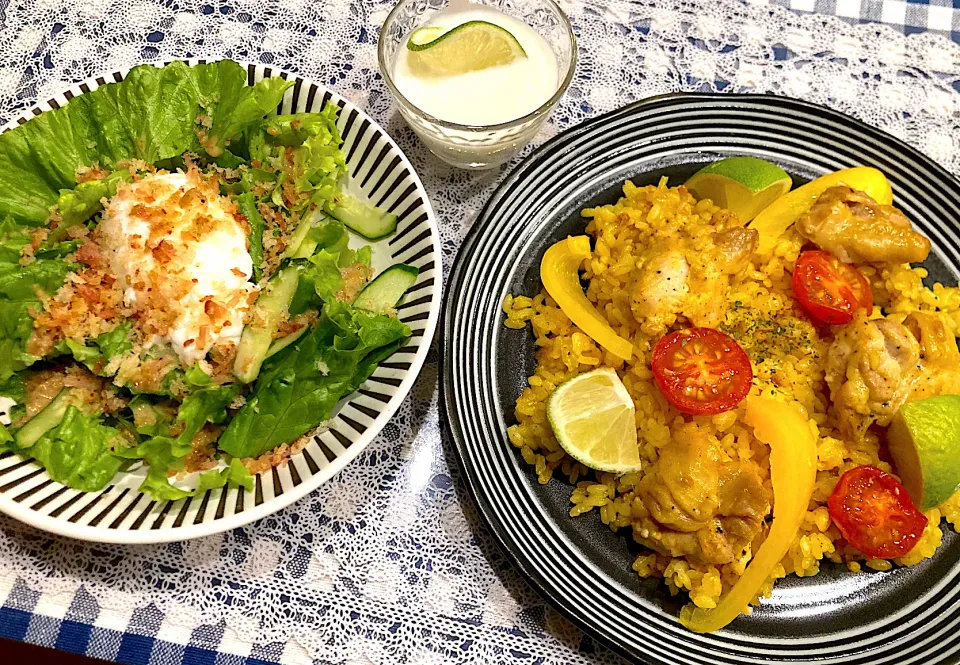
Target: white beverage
column 489, row 96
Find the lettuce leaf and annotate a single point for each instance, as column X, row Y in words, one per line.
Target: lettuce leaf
column 196, row 377
column 151, row 418
column 13, row 238
column 165, row 453
column 40, row 158
column 317, row 164
column 78, row 451
column 99, row 351
column 234, row 474
column 236, row 107
column 77, row 205
column 300, row 386
column 248, row 208
column 152, row 115
column 205, row 406
column 249, row 179
column 320, row 279
column 157, row 485
column 294, row 130
column 14, row 388
column 320, row 276
column 18, row 296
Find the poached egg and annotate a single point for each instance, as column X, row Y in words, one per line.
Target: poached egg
column 180, row 252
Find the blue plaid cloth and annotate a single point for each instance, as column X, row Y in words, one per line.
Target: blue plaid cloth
column 910, row 16
column 143, row 637
column 139, row 639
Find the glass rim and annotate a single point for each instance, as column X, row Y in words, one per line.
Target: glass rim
column 532, row 115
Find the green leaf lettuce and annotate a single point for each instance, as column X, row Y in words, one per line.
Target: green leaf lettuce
column 78, row 451
column 97, row 353
column 18, row 294
column 300, row 386
column 154, row 114
column 165, row 453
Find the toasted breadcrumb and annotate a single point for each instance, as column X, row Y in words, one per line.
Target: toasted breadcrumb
column 201, row 455
column 279, row 455
column 88, row 173
column 41, row 387
column 355, row 277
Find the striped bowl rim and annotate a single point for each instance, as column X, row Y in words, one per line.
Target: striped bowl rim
column 121, row 514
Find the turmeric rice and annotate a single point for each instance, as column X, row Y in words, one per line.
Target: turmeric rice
column 788, row 354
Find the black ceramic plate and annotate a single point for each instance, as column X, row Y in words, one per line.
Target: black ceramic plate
column 908, row 615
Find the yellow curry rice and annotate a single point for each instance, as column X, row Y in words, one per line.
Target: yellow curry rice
column 788, row 358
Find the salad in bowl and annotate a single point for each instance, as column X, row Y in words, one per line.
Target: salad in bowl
column 184, row 283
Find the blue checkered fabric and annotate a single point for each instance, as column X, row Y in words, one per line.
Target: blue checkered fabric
column 910, row 16
column 142, row 638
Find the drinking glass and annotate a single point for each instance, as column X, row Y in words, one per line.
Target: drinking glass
column 478, row 146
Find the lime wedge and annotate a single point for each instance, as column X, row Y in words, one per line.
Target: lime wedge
column 745, row 185
column 592, row 416
column 924, row 441
column 469, row 47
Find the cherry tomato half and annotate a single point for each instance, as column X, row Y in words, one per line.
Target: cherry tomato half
column 701, row 371
column 875, row 514
column 829, row 290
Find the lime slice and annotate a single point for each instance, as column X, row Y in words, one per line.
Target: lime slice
column 924, row 441
column 745, row 185
column 425, row 35
column 469, row 47
column 592, row 416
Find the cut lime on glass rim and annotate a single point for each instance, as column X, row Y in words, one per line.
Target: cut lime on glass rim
column 423, row 36
column 744, row 185
column 593, row 418
column 469, row 47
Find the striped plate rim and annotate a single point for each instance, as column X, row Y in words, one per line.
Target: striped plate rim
column 638, row 139
column 121, row 514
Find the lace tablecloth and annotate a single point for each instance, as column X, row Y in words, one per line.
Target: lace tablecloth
column 388, row 563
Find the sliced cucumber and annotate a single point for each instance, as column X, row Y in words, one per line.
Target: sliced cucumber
column 272, row 307
column 282, row 343
column 384, row 293
column 44, row 420
column 306, row 242
column 357, row 212
column 295, row 248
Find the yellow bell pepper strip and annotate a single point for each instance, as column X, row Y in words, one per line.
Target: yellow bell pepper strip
column 793, row 470
column 776, row 218
column 558, row 272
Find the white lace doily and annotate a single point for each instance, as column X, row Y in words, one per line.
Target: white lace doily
column 388, row 563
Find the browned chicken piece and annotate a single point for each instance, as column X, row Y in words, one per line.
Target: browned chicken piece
column 732, row 249
column 871, row 368
column 939, row 372
column 683, row 491
column 660, row 288
column 743, row 505
column 876, row 366
column 674, row 280
column 698, row 506
column 856, row 229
